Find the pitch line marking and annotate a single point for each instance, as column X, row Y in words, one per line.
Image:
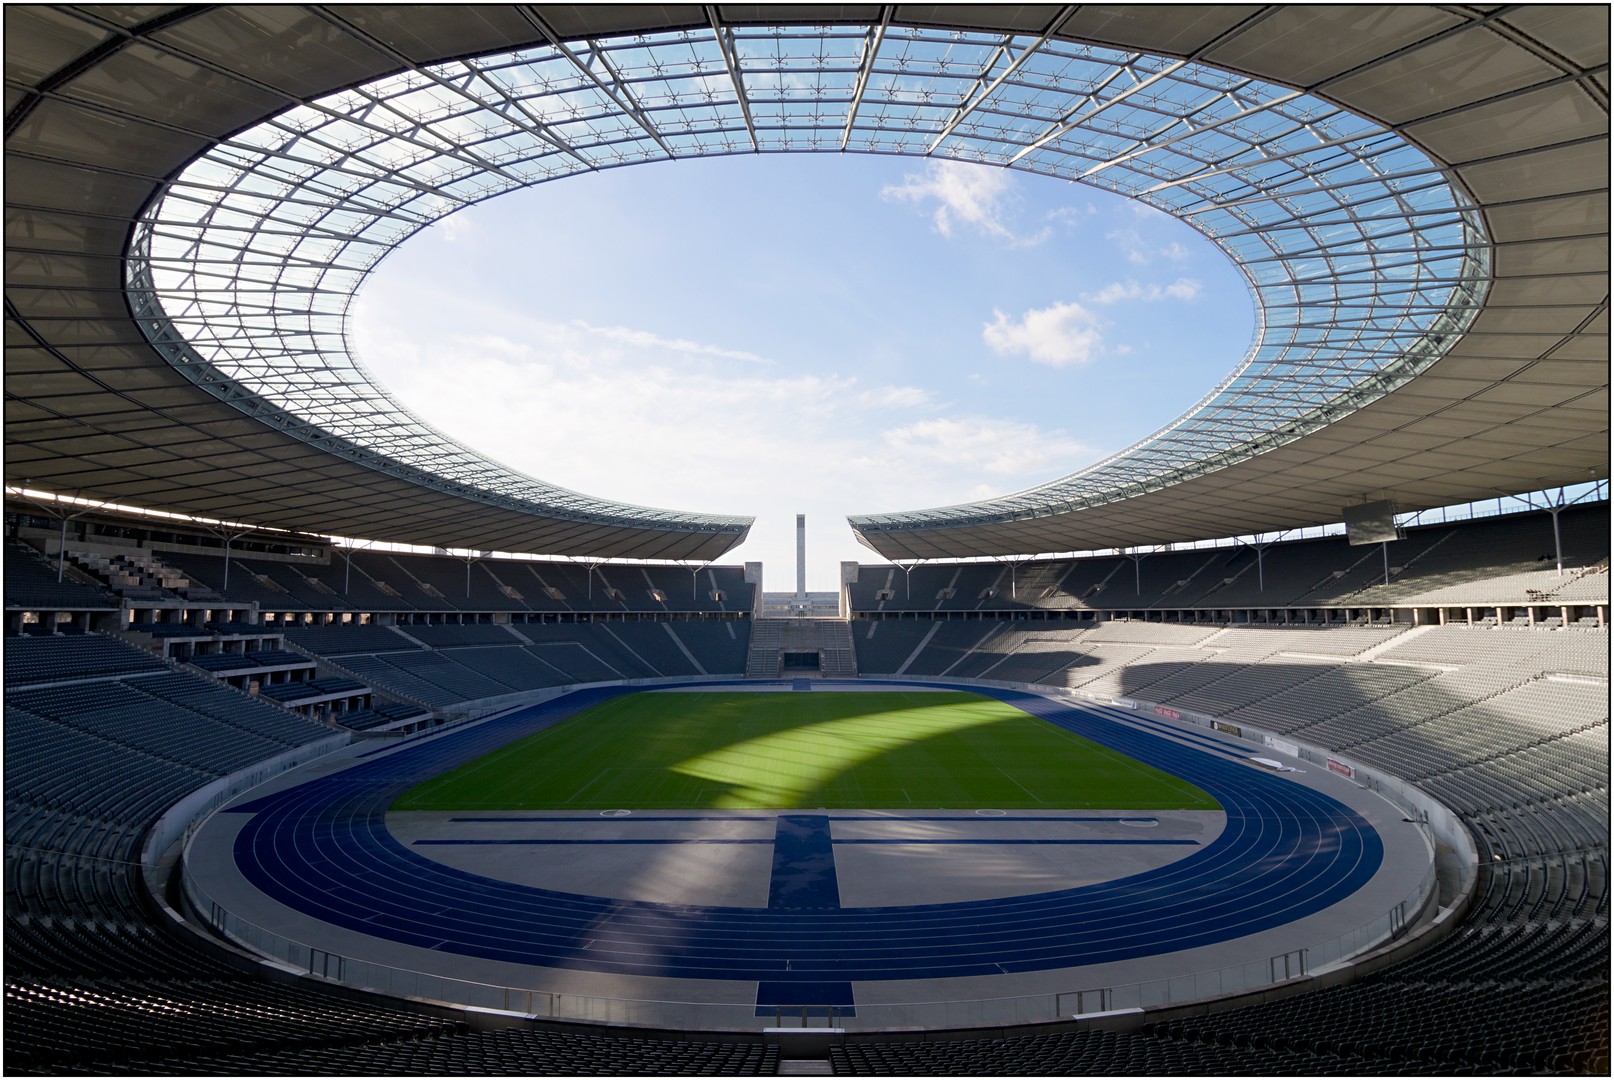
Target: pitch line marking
column 1022, row 787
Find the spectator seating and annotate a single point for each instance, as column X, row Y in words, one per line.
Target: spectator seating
column 1511, row 731
column 92, row 757
column 41, row 660
column 1505, row 994
column 470, row 662
column 220, row 663
column 174, row 630
column 98, row 982
column 1035, row 656
column 719, row 646
column 369, row 584
column 599, row 640
column 337, row 640
column 514, row 666
column 461, row 683
column 1331, row 692
column 1508, row 726
column 31, row 585
column 1485, row 561
column 508, row 659
column 453, row 635
column 274, row 585
column 309, row 690
column 1063, row 1054
column 123, row 716
column 374, row 581
column 231, row 707
column 390, row 678
column 949, row 644
column 233, row 628
column 656, row 646
column 55, row 766
column 382, row 715
column 515, row 1052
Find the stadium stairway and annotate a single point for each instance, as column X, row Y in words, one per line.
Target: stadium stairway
column 837, row 657
column 767, row 642
column 831, row 639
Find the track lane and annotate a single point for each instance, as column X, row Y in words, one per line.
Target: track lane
column 323, row 849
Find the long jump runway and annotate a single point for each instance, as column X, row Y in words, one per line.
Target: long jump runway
column 323, row 856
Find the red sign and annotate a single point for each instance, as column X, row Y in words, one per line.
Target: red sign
column 1169, row 714
column 1341, row 768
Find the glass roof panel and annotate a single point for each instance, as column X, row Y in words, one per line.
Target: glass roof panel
column 1360, row 254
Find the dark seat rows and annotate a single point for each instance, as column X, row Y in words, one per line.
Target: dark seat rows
column 97, row 981
column 1521, row 986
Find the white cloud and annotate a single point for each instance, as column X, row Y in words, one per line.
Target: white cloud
column 1144, row 212
column 894, row 397
column 977, row 196
column 1116, row 291
column 1138, row 238
column 1130, row 240
column 998, row 447
column 1059, row 335
column 620, row 417
column 644, row 339
column 456, row 226
column 593, row 413
column 1070, row 215
column 715, row 87
column 624, row 416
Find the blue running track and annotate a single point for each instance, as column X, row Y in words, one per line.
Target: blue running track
column 323, row 849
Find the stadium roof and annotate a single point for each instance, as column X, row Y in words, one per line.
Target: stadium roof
column 1418, row 196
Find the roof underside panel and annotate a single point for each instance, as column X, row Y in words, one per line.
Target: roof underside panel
column 1500, row 363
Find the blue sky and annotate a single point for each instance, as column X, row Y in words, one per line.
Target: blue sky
column 828, row 335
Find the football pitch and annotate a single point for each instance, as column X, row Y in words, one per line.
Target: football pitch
column 792, row 751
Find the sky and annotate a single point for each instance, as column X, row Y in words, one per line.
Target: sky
column 770, row 335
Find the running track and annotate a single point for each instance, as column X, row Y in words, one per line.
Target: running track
column 1287, row 851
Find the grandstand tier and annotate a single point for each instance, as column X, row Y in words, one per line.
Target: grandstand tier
column 1486, row 569
column 1535, row 798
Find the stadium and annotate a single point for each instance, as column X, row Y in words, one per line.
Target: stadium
column 1275, row 743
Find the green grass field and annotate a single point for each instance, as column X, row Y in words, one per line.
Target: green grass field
column 786, row 751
